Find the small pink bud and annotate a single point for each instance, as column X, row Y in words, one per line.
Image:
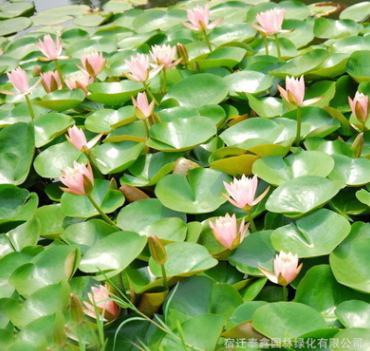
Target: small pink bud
column 226, row 231
column 108, row 309
column 93, row 63
column 294, row 92
column 360, row 107
column 79, row 80
column 140, row 68
column 76, row 137
column 243, row 192
column 164, row 55
column 199, row 19
column 51, row 81
column 18, row 77
column 52, row 50
column 286, row 269
column 142, row 107
column 270, row 22
column 79, row 179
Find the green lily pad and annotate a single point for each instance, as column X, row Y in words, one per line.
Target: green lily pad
column 49, row 126
column 112, row 254
column 14, row 25
column 316, row 234
column 326, row 28
column 15, row 9
column 349, row 264
column 349, row 171
column 277, row 171
column 51, row 266
column 61, row 100
column 50, row 162
column 150, row 168
column 357, row 66
column 16, row 153
column 356, row 12
column 115, row 93
column 146, row 213
column 198, row 90
column 266, row 107
column 225, row 57
column 200, row 192
column 301, row 195
column 116, row 157
column 184, row 260
column 170, row 136
column 80, row 206
column 286, row 320
column 354, row 314
column 26, row 234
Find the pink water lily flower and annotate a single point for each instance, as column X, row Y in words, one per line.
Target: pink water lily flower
column 226, row 231
column 199, row 19
column 286, row 269
column 243, row 192
column 164, row 55
column 360, row 107
column 79, row 80
column 93, row 63
column 108, row 309
column 79, row 179
column 51, row 81
column 270, row 22
column 77, row 138
column 139, row 67
column 294, row 92
column 142, row 107
column 18, row 77
column 50, row 48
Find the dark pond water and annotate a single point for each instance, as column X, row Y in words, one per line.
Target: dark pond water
column 47, row 4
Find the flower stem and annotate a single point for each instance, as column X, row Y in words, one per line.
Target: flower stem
column 146, row 128
column 299, row 123
column 59, row 70
column 106, row 218
column 278, row 47
column 148, row 91
column 266, row 45
column 207, row 40
column 164, row 86
column 30, row 108
column 251, row 221
column 164, row 276
column 285, row 293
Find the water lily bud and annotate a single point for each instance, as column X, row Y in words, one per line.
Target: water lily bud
column 243, row 192
column 76, row 310
column 51, row 81
column 358, row 144
column 226, row 231
column 79, row 179
column 50, row 48
column 270, row 22
column 157, row 249
column 182, row 53
column 360, row 107
column 286, row 269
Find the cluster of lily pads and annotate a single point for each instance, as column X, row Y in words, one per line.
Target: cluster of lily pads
column 194, row 177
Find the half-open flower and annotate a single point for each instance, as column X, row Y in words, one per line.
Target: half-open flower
column 360, row 107
column 79, row 80
column 139, row 67
column 107, row 308
column 143, row 109
column 18, row 77
column 51, row 81
column 79, row 179
column 226, row 231
column 164, row 55
column 199, row 19
column 77, row 138
column 243, row 192
column 294, row 92
column 286, row 269
column 50, row 48
column 270, row 22
column 93, row 63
